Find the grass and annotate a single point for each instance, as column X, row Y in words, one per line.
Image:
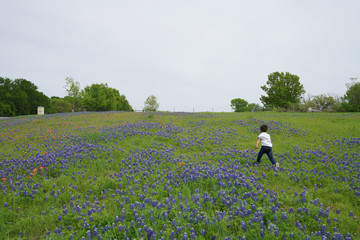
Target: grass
column 177, row 175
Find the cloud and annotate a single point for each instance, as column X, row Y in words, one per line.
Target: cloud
column 191, row 54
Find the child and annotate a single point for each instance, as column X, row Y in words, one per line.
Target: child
column 266, row 146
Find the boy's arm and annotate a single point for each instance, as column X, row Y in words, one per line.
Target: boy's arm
column 257, row 143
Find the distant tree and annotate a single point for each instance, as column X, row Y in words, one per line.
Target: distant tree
column 239, row 105
column 340, row 105
column 304, row 105
column 97, row 98
column 72, row 88
column 100, row 97
column 151, row 104
column 322, row 103
column 123, row 103
column 23, row 100
column 7, row 107
column 30, row 97
column 40, row 99
column 283, row 90
column 254, row 107
column 60, row 105
column 20, row 97
column 352, row 96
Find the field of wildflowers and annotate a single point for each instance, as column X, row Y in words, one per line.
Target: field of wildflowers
column 117, row 175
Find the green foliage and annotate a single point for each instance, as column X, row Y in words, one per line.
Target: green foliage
column 60, row 105
column 323, row 103
column 100, row 97
column 254, row 107
column 7, row 107
column 352, row 96
column 20, row 97
column 122, row 103
column 283, row 90
column 151, row 104
column 72, row 87
column 239, row 105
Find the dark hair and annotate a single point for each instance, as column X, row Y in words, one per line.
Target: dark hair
column 263, row 128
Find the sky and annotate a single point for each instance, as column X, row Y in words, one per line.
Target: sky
column 193, row 55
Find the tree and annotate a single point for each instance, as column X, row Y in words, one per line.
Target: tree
column 24, row 99
column 123, row 103
column 151, row 104
column 73, row 89
column 283, row 90
column 239, row 105
column 20, row 97
column 7, row 107
column 254, row 107
column 97, row 98
column 100, row 97
column 322, row 103
column 60, row 105
column 305, row 104
column 352, row 96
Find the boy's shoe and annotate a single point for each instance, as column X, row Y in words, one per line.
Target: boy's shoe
column 277, row 164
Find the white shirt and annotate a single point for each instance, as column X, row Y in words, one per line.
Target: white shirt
column 265, row 139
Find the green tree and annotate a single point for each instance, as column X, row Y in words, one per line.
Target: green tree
column 95, row 98
column 151, row 104
column 239, row 105
column 254, row 107
column 100, row 97
column 352, row 96
column 122, row 102
column 72, row 88
column 23, row 99
column 29, row 97
column 20, row 97
column 284, row 90
column 7, row 107
column 322, row 103
column 60, row 105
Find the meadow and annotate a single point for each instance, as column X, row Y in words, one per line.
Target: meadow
column 121, row 175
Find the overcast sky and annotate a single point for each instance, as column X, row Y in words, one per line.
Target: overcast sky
column 191, row 54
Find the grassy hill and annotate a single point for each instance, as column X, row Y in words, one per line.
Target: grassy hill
column 179, row 176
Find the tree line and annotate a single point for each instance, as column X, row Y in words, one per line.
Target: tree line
column 284, row 92
column 21, row 97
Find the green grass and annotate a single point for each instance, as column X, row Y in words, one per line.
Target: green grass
column 98, row 159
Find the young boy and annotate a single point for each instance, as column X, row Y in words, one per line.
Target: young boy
column 266, row 146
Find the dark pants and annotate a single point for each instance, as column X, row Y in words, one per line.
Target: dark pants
column 268, row 151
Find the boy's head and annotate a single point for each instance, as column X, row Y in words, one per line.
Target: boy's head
column 263, row 128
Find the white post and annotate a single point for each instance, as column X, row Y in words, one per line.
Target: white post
column 40, row 110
